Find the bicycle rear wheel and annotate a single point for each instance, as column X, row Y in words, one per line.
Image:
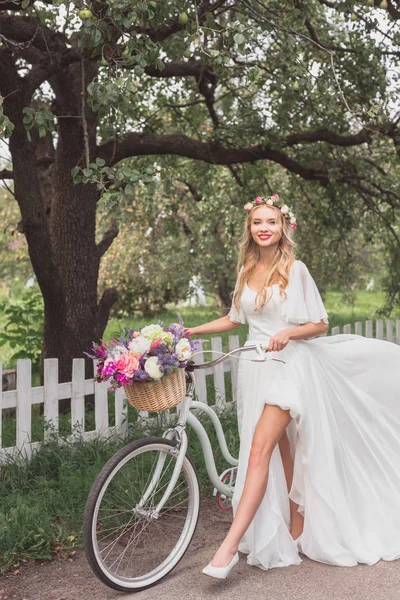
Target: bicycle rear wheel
column 127, row 548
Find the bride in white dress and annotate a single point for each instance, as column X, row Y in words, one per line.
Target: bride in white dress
column 319, row 460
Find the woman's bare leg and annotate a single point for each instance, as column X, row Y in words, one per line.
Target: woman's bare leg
column 296, row 518
column 268, row 431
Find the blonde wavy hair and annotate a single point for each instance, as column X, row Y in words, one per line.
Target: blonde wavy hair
column 249, row 255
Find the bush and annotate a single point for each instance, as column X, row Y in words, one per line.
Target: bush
column 23, row 326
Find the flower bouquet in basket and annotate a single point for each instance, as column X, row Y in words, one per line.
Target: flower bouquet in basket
column 149, row 363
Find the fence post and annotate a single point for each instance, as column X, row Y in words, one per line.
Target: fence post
column 379, row 329
column 369, row 328
column 78, row 395
column 398, row 331
column 389, row 330
column 335, row 330
column 51, row 407
column 101, row 407
column 24, row 404
column 121, row 409
column 347, row 329
column 234, row 364
column 358, row 328
column 218, row 371
column 200, row 375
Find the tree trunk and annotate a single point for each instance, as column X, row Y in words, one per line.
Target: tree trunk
column 60, row 229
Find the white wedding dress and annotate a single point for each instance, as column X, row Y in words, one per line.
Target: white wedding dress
column 343, row 393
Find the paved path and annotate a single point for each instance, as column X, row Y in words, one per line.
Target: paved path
column 71, row 578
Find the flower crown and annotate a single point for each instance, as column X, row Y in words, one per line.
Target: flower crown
column 273, row 201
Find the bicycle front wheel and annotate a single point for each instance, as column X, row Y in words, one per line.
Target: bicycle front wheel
column 127, row 548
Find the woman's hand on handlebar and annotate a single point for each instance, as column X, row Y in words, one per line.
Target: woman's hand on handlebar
column 278, row 341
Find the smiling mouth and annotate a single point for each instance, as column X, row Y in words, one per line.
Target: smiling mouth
column 264, row 237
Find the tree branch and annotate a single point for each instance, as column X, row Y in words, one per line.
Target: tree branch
column 144, row 144
column 107, row 240
column 183, row 69
column 29, row 31
column 107, row 301
column 314, row 37
column 44, row 70
column 331, row 137
column 5, row 174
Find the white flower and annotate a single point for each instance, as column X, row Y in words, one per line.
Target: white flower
column 271, row 202
column 284, row 209
column 139, row 344
column 151, row 367
column 183, row 349
column 293, row 220
column 290, row 214
column 151, row 332
column 116, row 352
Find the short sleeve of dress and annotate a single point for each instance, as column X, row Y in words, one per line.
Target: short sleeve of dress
column 234, row 315
column 303, row 303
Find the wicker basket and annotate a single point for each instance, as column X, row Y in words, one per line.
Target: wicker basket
column 156, row 396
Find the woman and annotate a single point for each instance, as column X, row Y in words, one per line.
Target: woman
column 319, row 460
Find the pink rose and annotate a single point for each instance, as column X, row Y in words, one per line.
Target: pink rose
column 128, row 363
column 258, row 200
column 248, row 206
column 294, row 225
column 275, row 197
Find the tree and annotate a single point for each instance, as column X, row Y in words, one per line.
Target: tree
column 100, row 91
column 150, row 262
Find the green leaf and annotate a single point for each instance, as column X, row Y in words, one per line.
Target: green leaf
column 75, row 171
column 25, row 4
column 128, row 189
column 139, row 70
column 97, row 37
column 100, row 162
column 239, row 38
column 109, row 172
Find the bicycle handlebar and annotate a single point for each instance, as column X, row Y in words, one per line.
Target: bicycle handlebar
column 260, row 348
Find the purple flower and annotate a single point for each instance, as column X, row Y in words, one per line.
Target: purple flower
column 140, row 375
column 109, row 369
column 123, row 379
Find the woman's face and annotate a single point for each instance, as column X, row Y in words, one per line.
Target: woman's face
column 266, row 226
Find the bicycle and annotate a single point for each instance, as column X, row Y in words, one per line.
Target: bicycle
column 143, row 508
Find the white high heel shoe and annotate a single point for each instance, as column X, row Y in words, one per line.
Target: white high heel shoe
column 220, row 572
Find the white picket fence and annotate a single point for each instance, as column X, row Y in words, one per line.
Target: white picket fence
column 52, row 392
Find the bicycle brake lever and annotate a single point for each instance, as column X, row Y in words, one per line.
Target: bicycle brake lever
column 261, row 353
